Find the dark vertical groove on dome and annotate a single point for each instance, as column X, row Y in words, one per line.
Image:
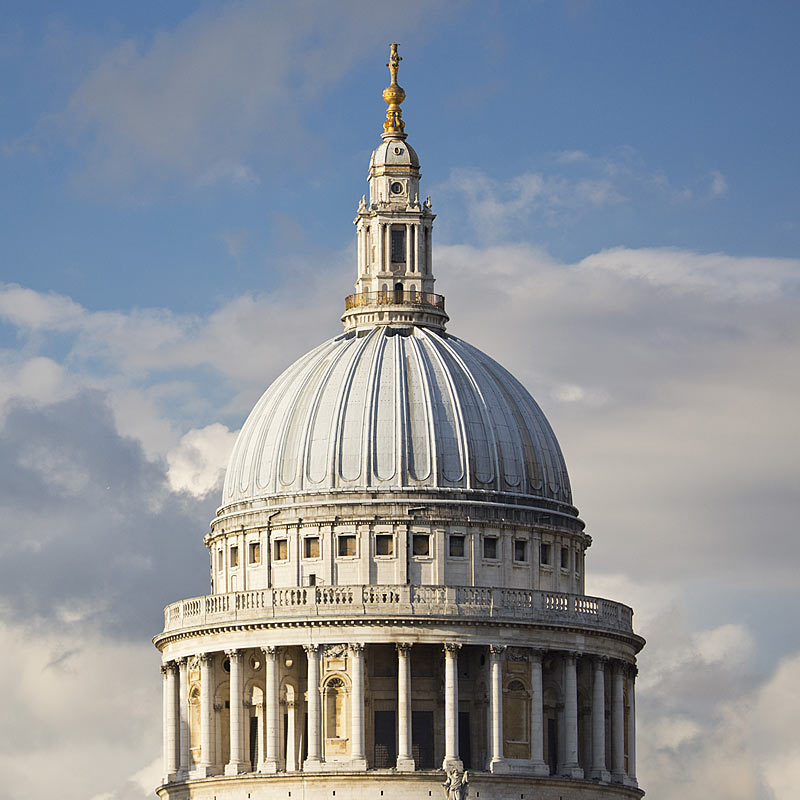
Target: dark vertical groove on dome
column 355, row 348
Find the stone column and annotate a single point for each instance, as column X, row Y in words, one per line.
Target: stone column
column 183, row 717
column 387, row 256
column 537, row 716
column 405, row 759
column 451, row 757
column 599, row 771
column 206, row 719
column 236, row 763
column 631, row 722
column 409, row 247
column 313, row 762
column 357, row 757
column 571, row 766
column 617, row 726
column 271, row 709
column 291, row 737
column 171, row 723
column 496, row 763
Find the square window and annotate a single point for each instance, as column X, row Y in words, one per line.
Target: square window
column 384, row 544
column 564, row 558
column 490, row 547
column 347, row 545
column 457, row 546
column 520, row 550
column 281, row 549
column 234, row 556
column 254, row 553
column 421, row 544
column 545, row 553
column 311, row 547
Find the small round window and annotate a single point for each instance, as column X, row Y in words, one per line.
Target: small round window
column 397, row 188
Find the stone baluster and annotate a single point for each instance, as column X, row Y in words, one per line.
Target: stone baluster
column 617, row 725
column 171, row 722
column 599, row 771
column 357, row 756
column 497, row 763
column 451, row 752
column 271, row 709
column 236, row 763
column 183, row 717
column 313, row 761
column 405, row 759
column 571, row 768
column 206, row 715
column 540, row 767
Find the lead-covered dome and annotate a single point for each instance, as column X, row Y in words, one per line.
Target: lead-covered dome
column 392, row 408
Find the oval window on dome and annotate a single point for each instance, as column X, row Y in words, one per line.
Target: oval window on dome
column 397, row 188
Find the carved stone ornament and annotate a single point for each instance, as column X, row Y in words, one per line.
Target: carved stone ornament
column 403, row 647
column 357, row 647
column 497, row 649
column 335, row 650
column 518, row 654
column 451, row 647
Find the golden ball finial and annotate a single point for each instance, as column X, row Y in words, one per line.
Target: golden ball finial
column 393, row 95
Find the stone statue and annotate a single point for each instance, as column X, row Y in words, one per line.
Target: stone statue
column 455, row 787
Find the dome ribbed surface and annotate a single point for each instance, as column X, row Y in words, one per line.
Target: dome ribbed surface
column 389, row 409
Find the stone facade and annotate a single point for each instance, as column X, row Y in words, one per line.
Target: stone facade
column 397, row 600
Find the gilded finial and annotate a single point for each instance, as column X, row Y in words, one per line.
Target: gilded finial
column 393, row 95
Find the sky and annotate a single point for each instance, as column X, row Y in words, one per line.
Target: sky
column 618, row 224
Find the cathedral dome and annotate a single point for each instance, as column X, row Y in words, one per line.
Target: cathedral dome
column 393, row 153
column 396, row 409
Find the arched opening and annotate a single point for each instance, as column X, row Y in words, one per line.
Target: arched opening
column 516, row 720
column 336, row 718
column 195, row 734
column 222, row 724
column 398, row 292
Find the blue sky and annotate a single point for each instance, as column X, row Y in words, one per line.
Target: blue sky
column 618, row 224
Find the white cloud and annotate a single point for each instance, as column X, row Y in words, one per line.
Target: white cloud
column 197, row 464
column 719, row 186
column 727, row 277
column 224, row 94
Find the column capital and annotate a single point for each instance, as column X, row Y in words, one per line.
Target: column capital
column 205, row 658
column 403, row 647
column 451, row 647
column 600, row 662
column 167, row 667
column 270, row 652
column 311, row 649
column 572, row 655
column 357, row 648
column 234, row 655
column 182, row 663
column 497, row 649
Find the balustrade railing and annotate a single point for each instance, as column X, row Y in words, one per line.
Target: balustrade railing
column 394, row 297
column 431, row 601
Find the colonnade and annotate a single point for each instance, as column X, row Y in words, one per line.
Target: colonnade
column 608, row 677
